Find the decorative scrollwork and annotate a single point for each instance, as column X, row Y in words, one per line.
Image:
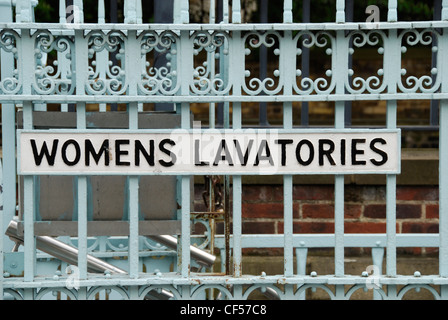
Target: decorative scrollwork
column 320, row 85
column 123, row 292
column 53, row 77
column 110, row 77
column 301, row 290
column 373, row 83
column 268, row 85
column 205, row 78
column 425, row 83
column 159, row 292
column 54, row 292
column 158, row 79
column 8, row 43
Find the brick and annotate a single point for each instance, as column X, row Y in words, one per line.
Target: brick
column 409, row 211
column 352, row 211
column 313, row 193
column 262, row 210
column 364, row 193
column 311, row 227
column 364, row 227
column 432, row 211
column 419, row 227
column 428, row 193
column 253, row 227
column 375, row 211
column 318, row 211
column 257, row 193
column 326, row 211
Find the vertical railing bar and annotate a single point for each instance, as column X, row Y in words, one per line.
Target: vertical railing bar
column 185, row 226
column 62, row 59
column 340, row 11
column 133, row 67
column 139, row 12
column 237, row 58
column 27, row 60
column 287, row 11
column 101, row 12
column 185, row 11
column 80, row 66
column 236, row 11
column 62, row 12
column 301, row 256
column 220, row 106
column 392, row 15
column 341, row 70
column 444, row 15
column 225, row 11
column 339, row 224
column 102, row 56
column 392, row 65
column 225, row 121
column 70, row 11
column 211, row 62
column 305, row 67
column 377, row 260
column 212, row 11
column 113, row 11
column 130, row 11
column 287, row 54
column 78, row 11
column 288, row 224
column 263, row 112
column 185, row 62
column 348, row 104
column 29, row 205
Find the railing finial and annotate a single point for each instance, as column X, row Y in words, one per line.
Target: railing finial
column 340, row 11
column 287, row 11
column 392, row 12
column 445, row 10
column 236, row 11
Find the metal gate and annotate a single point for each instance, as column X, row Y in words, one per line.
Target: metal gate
column 122, row 232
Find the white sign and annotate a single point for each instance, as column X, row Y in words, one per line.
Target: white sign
column 186, row 152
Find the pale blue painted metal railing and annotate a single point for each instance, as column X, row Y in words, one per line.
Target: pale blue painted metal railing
column 28, row 82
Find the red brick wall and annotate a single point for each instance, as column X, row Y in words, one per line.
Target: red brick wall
column 313, row 205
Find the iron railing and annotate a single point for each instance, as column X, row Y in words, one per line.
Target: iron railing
column 79, row 64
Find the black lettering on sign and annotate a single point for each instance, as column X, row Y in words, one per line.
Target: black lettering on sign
column 167, row 152
column 243, row 159
column 356, row 151
column 223, row 157
column 139, row 148
column 263, row 146
column 75, row 144
column 38, row 156
column 90, row 150
column 343, row 151
column 299, row 154
column 326, row 151
column 197, row 153
column 384, row 156
column 283, row 143
column 119, row 152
